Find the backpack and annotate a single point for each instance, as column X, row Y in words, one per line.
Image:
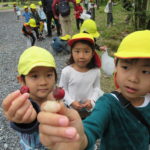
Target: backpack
column 64, row 8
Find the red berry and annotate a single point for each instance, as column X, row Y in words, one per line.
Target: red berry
column 58, row 93
column 24, row 89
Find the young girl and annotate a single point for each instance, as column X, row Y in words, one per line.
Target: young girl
column 81, row 78
column 17, row 11
column 78, row 10
column 37, row 71
column 111, row 120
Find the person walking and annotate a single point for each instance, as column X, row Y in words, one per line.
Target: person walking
column 64, row 16
column 47, row 7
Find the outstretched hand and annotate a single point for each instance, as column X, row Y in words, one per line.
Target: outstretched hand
column 61, row 128
column 17, row 108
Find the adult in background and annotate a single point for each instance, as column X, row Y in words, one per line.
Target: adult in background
column 63, row 15
column 47, row 7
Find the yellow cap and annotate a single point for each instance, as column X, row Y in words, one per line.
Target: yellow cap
column 66, row 37
column 40, row 3
column 81, row 36
column 89, row 26
column 14, row 3
column 32, row 22
column 33, row 6
column 78, row 1
column 135, row 45
column 25, row 7
column 34, row 57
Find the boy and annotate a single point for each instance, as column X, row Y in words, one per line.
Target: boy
column 26, row 14
column 37, row 71
column 28, row 28
column 39, row 23
column 110, row 120
column 60, row 44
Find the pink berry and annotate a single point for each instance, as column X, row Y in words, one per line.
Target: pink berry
column 24, row 89
column 58, row 93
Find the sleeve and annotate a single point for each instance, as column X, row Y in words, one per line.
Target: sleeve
column 24, row 30
column 97, row 88
column 95, row 126
column 27, row 128
column 64, row 82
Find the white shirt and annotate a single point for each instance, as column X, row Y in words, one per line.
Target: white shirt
column 80, row 86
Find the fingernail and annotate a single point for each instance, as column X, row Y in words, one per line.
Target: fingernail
column 63, row 121
column 70, row 132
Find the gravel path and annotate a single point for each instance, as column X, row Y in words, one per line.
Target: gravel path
column 12, row 44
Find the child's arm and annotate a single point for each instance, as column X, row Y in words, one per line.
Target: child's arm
column 17, row 108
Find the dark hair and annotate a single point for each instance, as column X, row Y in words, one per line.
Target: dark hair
column 130, row 60
column 23, row 76
column 92, row 46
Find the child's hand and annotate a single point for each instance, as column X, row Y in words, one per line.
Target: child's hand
column 62, row 129
column 103, row 48
column 87, row 104
column 17, row 108
column 76, row 105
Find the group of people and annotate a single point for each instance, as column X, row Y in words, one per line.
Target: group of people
column 50, row 15
column 86, row 112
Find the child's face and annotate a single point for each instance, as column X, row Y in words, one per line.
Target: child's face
column 133, row 77
column 26, row 9
column 82, row 54
column 40, row 81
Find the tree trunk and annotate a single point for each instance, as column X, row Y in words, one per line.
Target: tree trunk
column 140, row 14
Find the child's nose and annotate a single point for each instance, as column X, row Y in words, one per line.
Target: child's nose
column 133, row 77
column 81, row 54
column 43, row 81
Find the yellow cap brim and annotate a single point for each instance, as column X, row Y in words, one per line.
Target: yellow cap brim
column 42, row 64
column 96, row 34
column 126, row 55
column 70, row 42
column 32, row 25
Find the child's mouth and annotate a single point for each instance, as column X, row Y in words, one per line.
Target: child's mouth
column 130, row 90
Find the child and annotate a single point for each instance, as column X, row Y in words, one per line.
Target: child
column 17, row 11
column 91, row 9
column 28, row 29
column 26, row 14
column 35, row 15
column 37, row 71
column 42, row 16
column 80, row 92
column 59, row 44
column 78, row 10
column 117, row 127
column 89, row 26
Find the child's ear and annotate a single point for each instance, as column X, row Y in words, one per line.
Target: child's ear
column 20, row 80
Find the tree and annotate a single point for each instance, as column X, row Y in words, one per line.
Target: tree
column 140, row 14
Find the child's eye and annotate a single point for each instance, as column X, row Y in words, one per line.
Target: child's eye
column 145, row 72
column 125, row 67
column 76, row 51
column 34, row 76
column 49, row 75
column 87, row 51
